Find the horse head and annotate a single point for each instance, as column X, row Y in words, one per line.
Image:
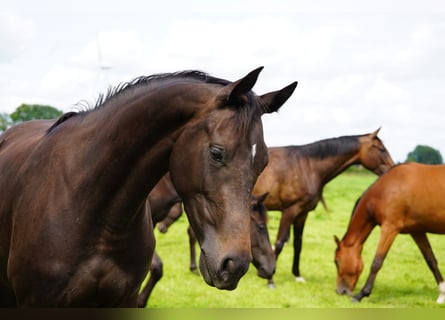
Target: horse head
column 373, row 154
column 223, row 152
column 262, row 252
column 349, row 263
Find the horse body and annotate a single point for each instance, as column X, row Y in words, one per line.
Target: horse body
column 296, row 175
column 74, row 228
column 408, row 200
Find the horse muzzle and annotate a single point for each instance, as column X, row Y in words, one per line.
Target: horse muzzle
column 223, row 273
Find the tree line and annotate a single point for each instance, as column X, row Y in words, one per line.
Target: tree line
column 26, row 112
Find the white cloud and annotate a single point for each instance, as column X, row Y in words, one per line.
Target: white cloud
column 14, row 34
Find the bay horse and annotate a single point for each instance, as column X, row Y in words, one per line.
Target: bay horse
column 74, row 227
column 296, row 175
column 164, row 202
column 408, row 199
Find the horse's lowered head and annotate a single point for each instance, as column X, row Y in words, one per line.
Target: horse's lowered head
column 224, row 152
column 349, row 263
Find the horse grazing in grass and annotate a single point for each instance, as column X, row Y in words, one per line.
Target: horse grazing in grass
column 163, row 201
column 74, row 227
column 407, row 199
column 296, row 175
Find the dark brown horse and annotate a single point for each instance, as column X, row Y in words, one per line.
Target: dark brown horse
column 164, row 203
column 262, row 252
column 408, row 199
column 73, row 227
column 296, row 175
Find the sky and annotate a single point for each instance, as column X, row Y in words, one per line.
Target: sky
column 360, row 65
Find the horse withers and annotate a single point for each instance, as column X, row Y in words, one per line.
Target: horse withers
column 74, row 227
column 409, row 199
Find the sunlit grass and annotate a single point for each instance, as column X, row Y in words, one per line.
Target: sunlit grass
column 404, row 281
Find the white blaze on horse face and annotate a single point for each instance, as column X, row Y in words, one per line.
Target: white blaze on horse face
column 253, row 152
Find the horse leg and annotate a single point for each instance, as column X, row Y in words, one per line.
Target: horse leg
column 287, row 218
column 298, row 243
column 387, row 237
column 156, row 272
column 192, row 242
column 427, row 252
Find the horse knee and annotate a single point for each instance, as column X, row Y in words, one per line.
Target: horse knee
column 278, row 248
column 157, row 270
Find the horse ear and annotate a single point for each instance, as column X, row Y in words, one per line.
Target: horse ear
column 274, row 100
column 337, row 240
column 375, row 133
column 262, row 197
column 235, row 92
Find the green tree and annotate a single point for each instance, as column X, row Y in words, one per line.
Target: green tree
column 26, row 112
column 425, row 154
column 5, row 121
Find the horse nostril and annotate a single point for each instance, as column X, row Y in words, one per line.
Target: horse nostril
column 227, row 268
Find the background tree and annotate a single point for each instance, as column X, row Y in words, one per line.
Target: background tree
column 26, row 112
column 425, row 154
column 4, row 121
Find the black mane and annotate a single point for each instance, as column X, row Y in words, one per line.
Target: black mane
column 243, row 118
column 328, row 147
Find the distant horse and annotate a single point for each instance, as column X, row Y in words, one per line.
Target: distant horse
column 296, row 175
column 74, row 230
column 407, row 199
column 262, row 254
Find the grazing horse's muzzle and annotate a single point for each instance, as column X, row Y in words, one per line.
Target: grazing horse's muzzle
column 343, row 289
column 225, row 273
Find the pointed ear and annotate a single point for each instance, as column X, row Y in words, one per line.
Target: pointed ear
column 262, row 197
column 274, row 100
column 375, row 133
column 337, row 240
column 235, row 92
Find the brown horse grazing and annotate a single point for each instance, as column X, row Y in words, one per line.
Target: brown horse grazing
column 296, row 175
column 408, row 199
column 262, row 254
column 74, row 230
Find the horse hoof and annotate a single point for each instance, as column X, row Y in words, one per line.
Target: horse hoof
column 355, row 300
column 300, row 279
column 441, row 299
column 271, row 285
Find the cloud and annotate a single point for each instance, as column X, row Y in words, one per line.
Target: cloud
column 14, row 35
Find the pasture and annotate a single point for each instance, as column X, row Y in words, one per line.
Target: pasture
column 404, row 281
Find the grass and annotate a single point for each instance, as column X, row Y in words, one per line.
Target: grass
column 404, row 281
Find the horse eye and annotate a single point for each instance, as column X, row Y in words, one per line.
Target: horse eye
column 261, row 227
column 217, row 154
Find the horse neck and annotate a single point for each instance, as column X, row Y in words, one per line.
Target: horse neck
column 331, row 164
column 360, row 226
column 133, row 141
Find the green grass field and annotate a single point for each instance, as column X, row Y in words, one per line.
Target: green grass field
column 404, row 280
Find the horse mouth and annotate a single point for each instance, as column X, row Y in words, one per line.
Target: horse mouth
column 224, row 275
column 342, row 290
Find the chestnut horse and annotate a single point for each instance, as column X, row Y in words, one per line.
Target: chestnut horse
column 409, row 199
column 165, row 205
column 74, row 227
column 296, row 175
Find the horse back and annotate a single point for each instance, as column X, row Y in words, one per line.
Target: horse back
column 411, row 197
column 288, row 179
